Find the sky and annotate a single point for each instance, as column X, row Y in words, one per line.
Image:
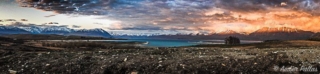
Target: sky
column 12, row 10
column 158, row 16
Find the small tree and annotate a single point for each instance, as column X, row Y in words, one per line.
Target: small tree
column 232, row 40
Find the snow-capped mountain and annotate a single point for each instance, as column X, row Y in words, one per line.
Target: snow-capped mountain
column 59, row 30
column 228, row 32
column 91, row 32
column 12, row 30
column 95, row 30
column 32, row 29
column 284, row 33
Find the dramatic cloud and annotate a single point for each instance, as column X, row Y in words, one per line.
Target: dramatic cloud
column 207, row 15
column 75, row 26
column 21, row 24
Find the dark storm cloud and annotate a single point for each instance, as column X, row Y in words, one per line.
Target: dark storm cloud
column 126, row 7
column 96, row 7
column 88, row 7
column 174, row 14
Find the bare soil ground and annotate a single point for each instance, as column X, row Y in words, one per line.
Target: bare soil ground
column 209, row 59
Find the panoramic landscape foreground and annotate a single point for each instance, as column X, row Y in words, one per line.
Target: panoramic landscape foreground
column 82, row 57
column 159, row 37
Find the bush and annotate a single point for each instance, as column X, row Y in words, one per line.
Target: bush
column 275, row 40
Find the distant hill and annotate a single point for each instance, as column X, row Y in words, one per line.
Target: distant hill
column 315, row 37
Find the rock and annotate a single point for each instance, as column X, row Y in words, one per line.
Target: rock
column 223, row 64
column 12, row 72
column 47, row 64
column 134, row 72
column 125, row 59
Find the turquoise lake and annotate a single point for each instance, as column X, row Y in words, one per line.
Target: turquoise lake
column 169, row 43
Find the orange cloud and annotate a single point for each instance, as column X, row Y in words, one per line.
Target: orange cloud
column 249, row 22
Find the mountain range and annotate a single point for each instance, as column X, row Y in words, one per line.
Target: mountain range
column 265, row 33
column 58, row 30
column 283, row 33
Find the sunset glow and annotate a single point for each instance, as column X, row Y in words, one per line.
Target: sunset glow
column 205, row 15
